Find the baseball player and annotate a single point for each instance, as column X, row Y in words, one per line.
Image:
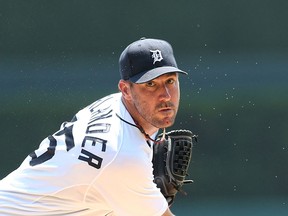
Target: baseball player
column 101, row 162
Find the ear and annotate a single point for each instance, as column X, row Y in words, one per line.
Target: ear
column 124, row 87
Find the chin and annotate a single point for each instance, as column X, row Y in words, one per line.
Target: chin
column 168, row 123
column 163, row 122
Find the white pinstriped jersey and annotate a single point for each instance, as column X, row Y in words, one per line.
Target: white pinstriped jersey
column 94, row 165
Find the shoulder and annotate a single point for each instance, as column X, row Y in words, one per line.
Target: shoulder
column 99, row 107
column 97, row 131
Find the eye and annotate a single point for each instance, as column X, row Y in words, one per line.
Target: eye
column 150, row 84
column 171, row 81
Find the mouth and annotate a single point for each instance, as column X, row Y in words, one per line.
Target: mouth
column 166, row 111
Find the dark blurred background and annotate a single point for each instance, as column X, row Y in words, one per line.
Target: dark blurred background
column 58, row 56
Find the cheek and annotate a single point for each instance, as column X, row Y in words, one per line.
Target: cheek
column 143, row 104
column 139, row 100
column 175, row 94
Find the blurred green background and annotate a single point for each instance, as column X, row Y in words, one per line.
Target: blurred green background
column 58, row 56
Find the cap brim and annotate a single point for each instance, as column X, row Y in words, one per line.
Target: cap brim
column 154, row 73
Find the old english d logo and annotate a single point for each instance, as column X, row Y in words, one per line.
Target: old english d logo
column 156, row 55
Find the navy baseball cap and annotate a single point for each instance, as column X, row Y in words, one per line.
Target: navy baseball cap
column 147, row 59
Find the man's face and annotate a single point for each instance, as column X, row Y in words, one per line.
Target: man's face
column 157, row 100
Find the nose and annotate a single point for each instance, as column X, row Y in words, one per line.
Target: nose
column 165, row 93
